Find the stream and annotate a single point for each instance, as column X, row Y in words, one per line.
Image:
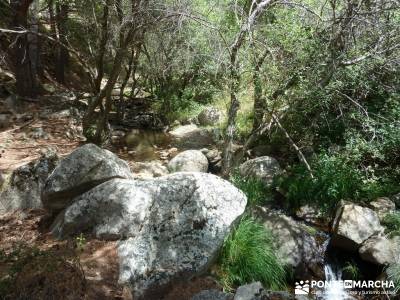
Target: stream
column 335, row 289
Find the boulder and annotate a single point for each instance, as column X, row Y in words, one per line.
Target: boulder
column 209, row 116
column 354, row 224
column 381, row 250
column 192, row 137
column 297, row 244
column 312, row 215
column 382, row 206
column 396, row 200
column 255, row 291
column 212, row 295
column 150, row 169
column 23, row 188
column 214, row 157
column 189, row 161
column 171, row 228
column 80, row 171
column 263, row 168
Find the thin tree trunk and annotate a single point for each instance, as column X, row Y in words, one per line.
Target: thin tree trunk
column 62, row 53
column 26, row 82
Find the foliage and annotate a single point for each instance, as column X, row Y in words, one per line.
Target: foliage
column 248, row 255
column 253, row 188
column 80, row 242
column 392, row 223
column 336, row 178
column 393, row 272
column 352, row 271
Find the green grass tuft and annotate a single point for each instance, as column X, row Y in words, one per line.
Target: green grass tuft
column 253, row 188
column 392, row 223
column 248, row 255
column 393, row 272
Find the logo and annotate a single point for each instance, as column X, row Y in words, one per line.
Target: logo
column 302, row 287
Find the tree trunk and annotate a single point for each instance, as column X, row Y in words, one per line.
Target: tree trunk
column 62, row 53
column 26, row 81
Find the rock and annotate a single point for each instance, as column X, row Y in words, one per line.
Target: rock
column 191, row 137
column 212, row 295
column 214, row 159
column 171, row 227
column 263, row 168
column 354, row 224
column 296, row 243
column 381, row 250
column 22, row 190
column 250, row 291
column 382, row 206
column 80, row 171
column 147, row 170
column 396, row 200
column 312, row 215
column 210, row 116
column 189, row 161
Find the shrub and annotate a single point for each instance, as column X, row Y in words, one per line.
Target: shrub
column 392, row 223
column 336, row 178
column 254, row 189
column 248, row 255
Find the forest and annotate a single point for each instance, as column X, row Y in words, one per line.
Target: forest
column 199, row 149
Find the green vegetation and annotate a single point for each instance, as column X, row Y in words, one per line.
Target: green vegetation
column 254, row 189
column 248, row 255
column 393, row 272
column 392, row 223
column 351, row 271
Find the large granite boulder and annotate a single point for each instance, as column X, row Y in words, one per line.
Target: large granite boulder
column 354, row 224
column 80, row 171
column 23, row 188
column 263, row 168
column 192, row 137
column 209, row 116
column 381, row 250
column 297, row 244
column 189, row 161
column 171, row 228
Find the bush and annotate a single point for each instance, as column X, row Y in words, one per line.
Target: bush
column 253, row 188
column 248, row 255
column 392, row 223
column 336, row 178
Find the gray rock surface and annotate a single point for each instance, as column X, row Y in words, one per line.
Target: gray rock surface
column 171, row 227
column 212, row 295
column 396, row 200
column 353, row 225
column 296, row 243
column 192, row 137
column 209, row 116
column 23, row 187
column 263, row 168
column 150, row 169
column 382, row 206
column 250, row 291
column 189, row 161
column 83, row 169
column 381, row 250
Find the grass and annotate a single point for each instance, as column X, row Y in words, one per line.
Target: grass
column 352, row 271
column 393, row 272
column 253, row 188
column 248, row 255
column 392, row 223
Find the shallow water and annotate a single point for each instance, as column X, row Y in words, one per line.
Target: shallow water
column 146, row 143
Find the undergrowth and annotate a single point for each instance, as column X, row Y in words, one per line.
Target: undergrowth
column 393, row 273
column 392, row 223
column 248, row 255
column 253, row 188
